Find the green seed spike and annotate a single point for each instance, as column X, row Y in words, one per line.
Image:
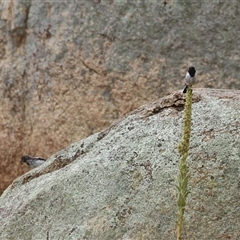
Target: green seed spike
column 183, row 148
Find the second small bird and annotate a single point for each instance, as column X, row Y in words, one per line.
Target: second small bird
column 33, row 161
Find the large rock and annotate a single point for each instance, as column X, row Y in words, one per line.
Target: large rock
column 70, row 68
column 120, row 183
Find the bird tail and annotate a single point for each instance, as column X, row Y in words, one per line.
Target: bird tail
column 185, row 89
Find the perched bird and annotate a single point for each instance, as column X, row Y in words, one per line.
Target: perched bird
column 190, row 78
column 33, row 161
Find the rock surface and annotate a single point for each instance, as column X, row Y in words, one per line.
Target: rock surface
column 120, row 183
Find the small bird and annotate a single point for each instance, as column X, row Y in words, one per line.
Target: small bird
column 190, row 78
column 33, row 161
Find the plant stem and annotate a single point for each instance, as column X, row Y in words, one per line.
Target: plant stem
column 183, row 148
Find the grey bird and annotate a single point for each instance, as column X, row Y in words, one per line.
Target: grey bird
column 33, row 161
column 190, row 78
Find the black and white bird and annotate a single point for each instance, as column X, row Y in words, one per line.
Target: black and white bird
column 190, row 78
column 33, row 161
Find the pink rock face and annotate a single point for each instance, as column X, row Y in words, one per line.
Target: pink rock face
column 70, row 69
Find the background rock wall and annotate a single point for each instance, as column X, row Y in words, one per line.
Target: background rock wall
column 69, row 69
